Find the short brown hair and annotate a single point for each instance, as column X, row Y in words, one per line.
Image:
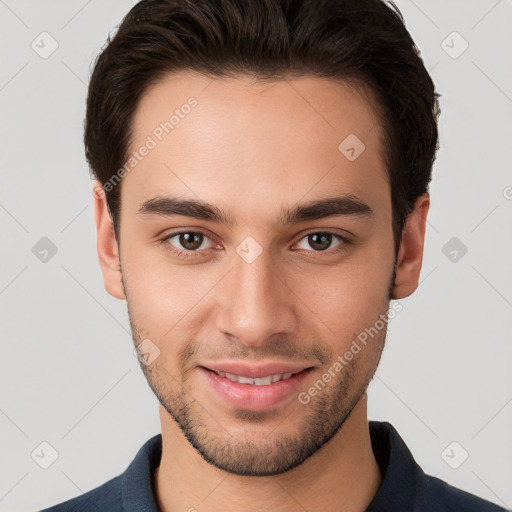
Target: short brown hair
column 364, row 42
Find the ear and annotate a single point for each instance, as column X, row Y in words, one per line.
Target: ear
column 108, row 249
column 410, row 254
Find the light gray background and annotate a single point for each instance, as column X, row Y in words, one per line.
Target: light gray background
column 68, row 373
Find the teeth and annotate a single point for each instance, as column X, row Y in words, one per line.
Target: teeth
column 260, row 381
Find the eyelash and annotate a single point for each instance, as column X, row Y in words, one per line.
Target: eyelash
column 342, row 247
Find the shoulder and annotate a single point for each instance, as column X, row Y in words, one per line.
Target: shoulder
column 105, row 497
column 405, row 486
column 443, row 497
column 131, row 490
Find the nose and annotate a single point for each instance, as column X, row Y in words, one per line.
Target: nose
column 255, row 303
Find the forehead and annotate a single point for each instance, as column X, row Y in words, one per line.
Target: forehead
column 239, row 142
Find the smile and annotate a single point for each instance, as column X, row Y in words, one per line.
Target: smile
column 260, row 381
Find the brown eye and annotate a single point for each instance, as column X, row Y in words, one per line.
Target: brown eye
column 321, row 241
column 191, row 241
column 185, row 243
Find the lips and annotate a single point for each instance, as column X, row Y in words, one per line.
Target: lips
column 255, row 371
column 256, row 397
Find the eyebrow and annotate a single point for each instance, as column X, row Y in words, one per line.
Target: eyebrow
column 347, row 205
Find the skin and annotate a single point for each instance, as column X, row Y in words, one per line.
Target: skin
column 255, row 150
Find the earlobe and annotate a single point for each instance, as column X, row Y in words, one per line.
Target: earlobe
column 108, row 249
column 410, row 255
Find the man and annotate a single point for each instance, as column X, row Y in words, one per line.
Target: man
column 261, row 195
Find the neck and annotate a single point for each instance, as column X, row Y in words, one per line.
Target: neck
column 342, row 475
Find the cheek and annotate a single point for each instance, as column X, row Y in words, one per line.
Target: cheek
column 161, row 295
column 346, row 298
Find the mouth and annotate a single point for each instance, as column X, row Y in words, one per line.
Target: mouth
column 254, row 393
column 257, row 381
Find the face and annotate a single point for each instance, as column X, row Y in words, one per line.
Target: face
column 269, row 271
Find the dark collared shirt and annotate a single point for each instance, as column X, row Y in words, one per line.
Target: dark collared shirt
column 404, row 487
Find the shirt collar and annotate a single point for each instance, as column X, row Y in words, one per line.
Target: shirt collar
column 402, row 478
column 137, row 489
column 398, row 468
